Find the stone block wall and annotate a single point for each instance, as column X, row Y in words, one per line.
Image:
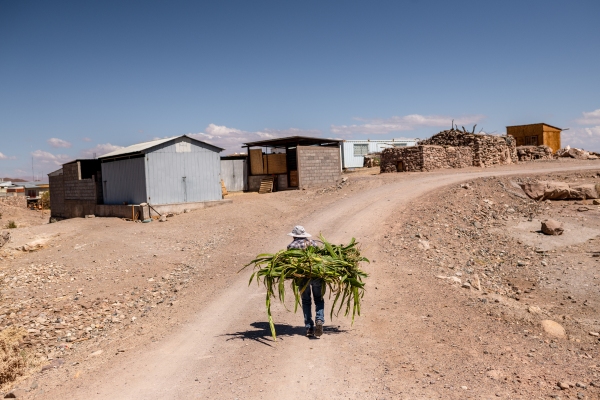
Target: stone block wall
column 451, row 149
column 15, row 201
column 318, row 166
column 529, row 153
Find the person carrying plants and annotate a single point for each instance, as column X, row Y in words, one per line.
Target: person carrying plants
column 302, row 242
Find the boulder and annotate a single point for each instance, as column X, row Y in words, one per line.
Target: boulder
column 553, row 328
column 550, row 190
column 552, row 227
column 4, row 238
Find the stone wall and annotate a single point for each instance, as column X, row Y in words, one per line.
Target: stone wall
column 318, row 166
column 15, row 201
column 529, row 153
column 451, row 149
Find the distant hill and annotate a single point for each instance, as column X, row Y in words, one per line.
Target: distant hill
column 14, row 180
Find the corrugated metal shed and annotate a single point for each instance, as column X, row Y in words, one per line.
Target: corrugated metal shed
column 234, row 172
column 165, row 171
column 353, row 151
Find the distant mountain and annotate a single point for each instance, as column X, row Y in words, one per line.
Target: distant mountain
column 13, row 179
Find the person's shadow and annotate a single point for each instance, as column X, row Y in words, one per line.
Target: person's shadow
column 262, row 332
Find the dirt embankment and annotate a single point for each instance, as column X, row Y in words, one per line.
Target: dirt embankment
column 482, row 242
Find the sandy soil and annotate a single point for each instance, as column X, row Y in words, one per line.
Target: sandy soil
column 138, row 311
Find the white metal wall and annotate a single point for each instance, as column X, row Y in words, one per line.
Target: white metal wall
column 234, row 174
column 183, row 171
column 349, row 160
column 124, row 181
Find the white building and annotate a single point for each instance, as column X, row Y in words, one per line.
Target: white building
column 353, row 151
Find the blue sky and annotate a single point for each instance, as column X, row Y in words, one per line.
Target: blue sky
column 78, row 78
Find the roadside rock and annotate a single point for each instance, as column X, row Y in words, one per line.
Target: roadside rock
column 163, row 218
column 4, row 238
column 553, row 328
column 552, row 227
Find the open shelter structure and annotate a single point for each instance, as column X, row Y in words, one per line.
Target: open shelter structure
column 294, row 162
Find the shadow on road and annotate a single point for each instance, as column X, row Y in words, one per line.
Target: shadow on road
column 262, row 332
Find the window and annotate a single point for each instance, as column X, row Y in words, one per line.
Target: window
column 531, row 140
column 360, row 150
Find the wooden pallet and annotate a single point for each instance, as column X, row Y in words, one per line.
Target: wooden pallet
column 266, row 185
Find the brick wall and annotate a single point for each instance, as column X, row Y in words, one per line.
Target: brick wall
column 318, row 166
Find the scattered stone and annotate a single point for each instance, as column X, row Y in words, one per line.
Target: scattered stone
column 163, row 218
column 594, row 334
column 90, row 216
column 552, row 227
column 424, row 244
column 96, row 353
column 596, row 202
column 563, row 385
column 553, row 328
column 4, row 238
column 534, row 310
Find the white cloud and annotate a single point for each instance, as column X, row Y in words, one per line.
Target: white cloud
column 56, row 142
column 44, row 157
column 99, row 150
column 589, row 118
column 378, row 126
column 586, row 138
column 86, row 139
column 231, row 139
column 5, row 157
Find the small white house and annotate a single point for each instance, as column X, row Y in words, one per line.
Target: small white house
column 353, row 151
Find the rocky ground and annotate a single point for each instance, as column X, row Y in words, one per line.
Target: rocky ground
column 482, row 241
column 460, row 282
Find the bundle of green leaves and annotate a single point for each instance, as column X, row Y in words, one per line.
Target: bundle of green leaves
column 337, row 266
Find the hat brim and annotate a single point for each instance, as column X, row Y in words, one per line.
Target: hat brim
column 306, row 235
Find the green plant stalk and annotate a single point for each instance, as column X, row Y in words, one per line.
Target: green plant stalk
column 337, row 266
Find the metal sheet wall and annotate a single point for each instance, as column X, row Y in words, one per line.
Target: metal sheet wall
column 124, row 181
column 349, row 160
column 234, row 173
column 178, row 173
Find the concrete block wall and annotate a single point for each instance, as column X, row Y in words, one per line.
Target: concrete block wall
column 71, row 172
column 57, row 196
column 318, row 166
column 84, row 189
column 254, row 182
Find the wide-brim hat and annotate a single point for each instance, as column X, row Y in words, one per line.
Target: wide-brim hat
column 299, row 231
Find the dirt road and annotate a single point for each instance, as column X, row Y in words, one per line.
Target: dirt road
column 224, row 350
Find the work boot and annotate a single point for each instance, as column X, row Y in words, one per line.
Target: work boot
column 319, row 328
column 310, row 332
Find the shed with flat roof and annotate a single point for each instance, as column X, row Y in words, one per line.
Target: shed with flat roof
column 536, row 135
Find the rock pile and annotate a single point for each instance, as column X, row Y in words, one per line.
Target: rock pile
column 372, row 160
column 451, row 149
column 552, row 190
column 578, row 154
column 530, row 153
column 15, row 201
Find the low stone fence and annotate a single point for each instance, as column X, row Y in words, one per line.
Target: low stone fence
column 15, row 201
column 530, row 153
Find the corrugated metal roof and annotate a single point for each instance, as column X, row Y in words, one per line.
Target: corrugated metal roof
column 137, row 147
column 140, row 147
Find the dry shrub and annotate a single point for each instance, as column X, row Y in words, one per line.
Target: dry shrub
column 12, row 359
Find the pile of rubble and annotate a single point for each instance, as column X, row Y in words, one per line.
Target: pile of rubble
column 530, row 153
column 452, row 148
column 372, row 160
column 578, row 154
